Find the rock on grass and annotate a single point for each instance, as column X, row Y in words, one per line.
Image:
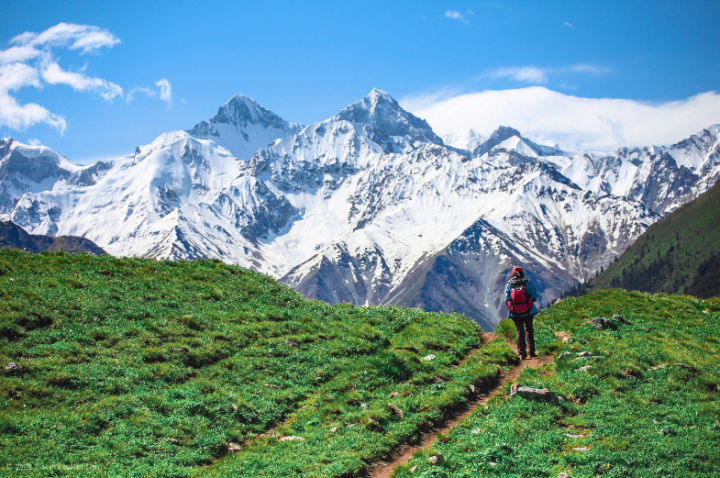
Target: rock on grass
column 531, row 393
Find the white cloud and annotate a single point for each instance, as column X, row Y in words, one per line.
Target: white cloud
column 86, row 38
column 581, row 68
column 523, row 74
column 53, row 74
column 569, row 25
column 30, row 62
column 164, row 91
column 16, row 116
column 21, row 53
column 539, row 75
column 455, row 15
column 17, row 75
column 574, row 123
column 30, row 45
column 132, row 93
column 14, row 76
column 93, row 40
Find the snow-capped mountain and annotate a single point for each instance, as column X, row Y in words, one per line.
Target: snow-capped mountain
column 662, row 178
column 369, row 206
column 180, row 196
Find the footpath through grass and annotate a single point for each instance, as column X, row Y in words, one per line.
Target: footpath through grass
column 128, row 367
column 643, row 401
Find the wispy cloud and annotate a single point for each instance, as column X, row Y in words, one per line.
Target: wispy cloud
column 568, row 24
column 86, row 38
column 140, row 89
column 540, row 75
column 522, row 74
column 14, row 76
column 585, row 68
column 573, row 122
column 455, row 15
column 30, row 61
column 53, row 74
column 163, row 91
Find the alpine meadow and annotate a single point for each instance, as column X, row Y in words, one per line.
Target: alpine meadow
column 361, row 240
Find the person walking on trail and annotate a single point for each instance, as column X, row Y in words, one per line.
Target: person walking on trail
column 520, row 297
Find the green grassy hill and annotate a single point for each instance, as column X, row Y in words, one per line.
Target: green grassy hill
column 678, row 254
column 642, row 399
column 127, row 367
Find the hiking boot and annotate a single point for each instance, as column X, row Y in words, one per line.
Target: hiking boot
column 533, row 355
column 523, row 357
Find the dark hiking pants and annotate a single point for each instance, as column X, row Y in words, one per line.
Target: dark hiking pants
column 524, row 326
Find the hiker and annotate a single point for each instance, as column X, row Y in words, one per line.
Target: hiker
column 520, row 297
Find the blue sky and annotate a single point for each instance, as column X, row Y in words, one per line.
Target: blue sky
column 306, row 60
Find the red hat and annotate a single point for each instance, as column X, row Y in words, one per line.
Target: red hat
column 518, row 269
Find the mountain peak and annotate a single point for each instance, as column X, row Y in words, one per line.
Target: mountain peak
column 381, row 112
column 501, row 134
column 241, row 98
column 241, row 110
column 243, row 126
column 378, row 94
column 375, row 103
column 503, row 137
column 504, row 132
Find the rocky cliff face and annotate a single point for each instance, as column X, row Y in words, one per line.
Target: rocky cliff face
column 369, row 206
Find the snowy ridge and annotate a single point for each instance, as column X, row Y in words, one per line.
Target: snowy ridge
column 369, row 206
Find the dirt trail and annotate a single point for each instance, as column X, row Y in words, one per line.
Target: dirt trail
column 403, row 454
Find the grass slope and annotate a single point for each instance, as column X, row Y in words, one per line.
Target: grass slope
column 678, row 254
column 128, row 367
column 645, row 403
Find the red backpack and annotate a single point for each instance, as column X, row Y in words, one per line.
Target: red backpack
column 520, row 302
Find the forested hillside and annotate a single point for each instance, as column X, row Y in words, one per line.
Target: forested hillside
column 678, row 254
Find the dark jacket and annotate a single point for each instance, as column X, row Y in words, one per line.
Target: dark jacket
column 531, row 292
